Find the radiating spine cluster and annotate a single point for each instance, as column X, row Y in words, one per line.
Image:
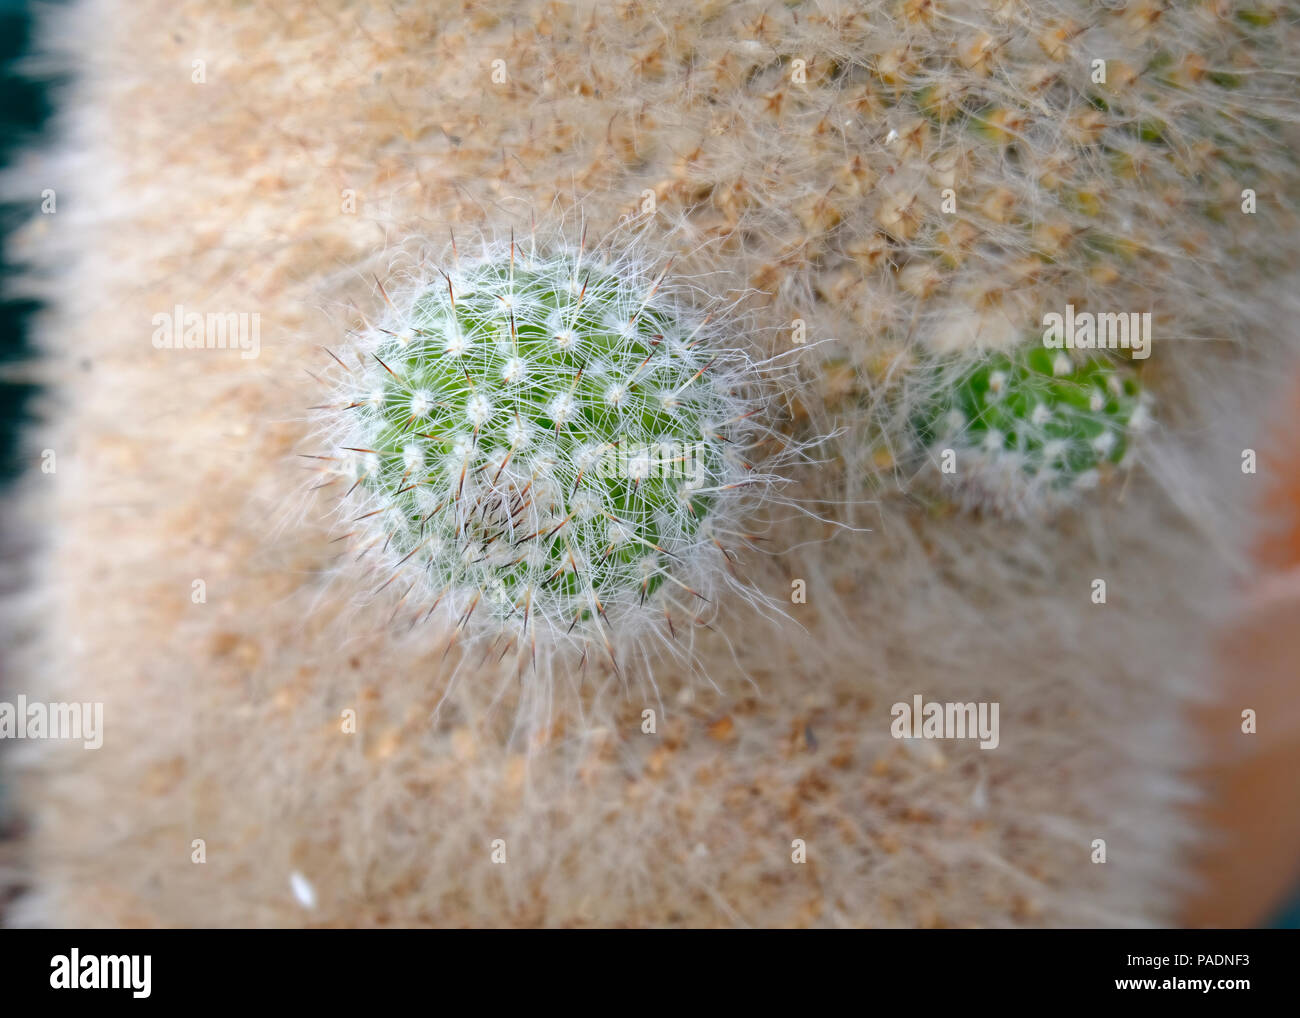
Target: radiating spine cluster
column 546, row 442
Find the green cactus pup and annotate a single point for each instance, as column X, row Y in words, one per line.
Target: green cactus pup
column 1024, row 432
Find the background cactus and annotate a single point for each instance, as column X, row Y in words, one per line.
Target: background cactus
column 1026, row 156
column 548, row 442
column 1030, row 429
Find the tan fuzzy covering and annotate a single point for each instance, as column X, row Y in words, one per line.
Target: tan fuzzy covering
column 223, row 718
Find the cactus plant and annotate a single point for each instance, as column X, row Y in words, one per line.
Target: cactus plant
column 548, row 441
column 1030, row 428
column 801, row 149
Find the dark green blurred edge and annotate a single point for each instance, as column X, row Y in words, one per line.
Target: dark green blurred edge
column 25, row 108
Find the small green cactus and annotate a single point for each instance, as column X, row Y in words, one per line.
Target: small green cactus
column 1029, row 429
column 547, row 442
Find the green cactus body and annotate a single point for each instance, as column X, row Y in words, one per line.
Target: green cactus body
column 1030, row 427
column 545, row 440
